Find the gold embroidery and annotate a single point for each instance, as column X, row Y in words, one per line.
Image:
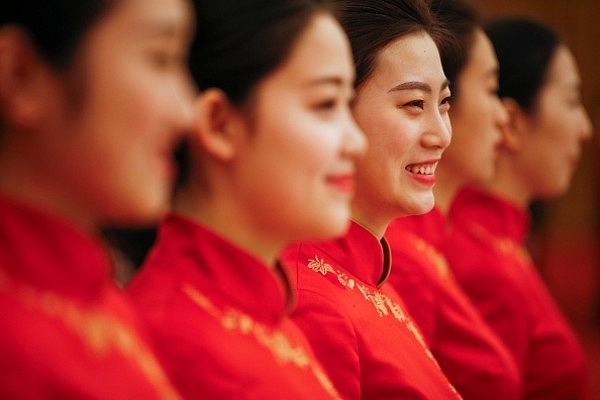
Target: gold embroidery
column 381, row 302
column 503, row 245
column 431, row 254
column 274, row 340
column 102, row 332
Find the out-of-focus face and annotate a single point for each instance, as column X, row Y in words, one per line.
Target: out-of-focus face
column 555, row 130
column 477, row 117
column 128, row 101
column 296, row 172
column 403, row 110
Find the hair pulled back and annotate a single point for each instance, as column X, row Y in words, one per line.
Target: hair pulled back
column 238, row 43
column 525, row 49
column 373, row 24
column 55, row 27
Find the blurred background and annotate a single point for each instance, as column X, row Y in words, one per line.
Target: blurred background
column 565, row 240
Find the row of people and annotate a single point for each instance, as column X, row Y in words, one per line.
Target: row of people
column 286, row 263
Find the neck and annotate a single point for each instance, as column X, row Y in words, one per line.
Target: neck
column 24, row 181
column 507, row 184
column 445, row 189
column 373, row 220
column 229, row 220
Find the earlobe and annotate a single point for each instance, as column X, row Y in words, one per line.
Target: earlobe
column 22, row 74
column 218, row 125
column 513, row 131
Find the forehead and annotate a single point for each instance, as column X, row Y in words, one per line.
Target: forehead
column 152, row 17
column 320, row 52
column 482, row 54
column 410, row 57
column 563, row 69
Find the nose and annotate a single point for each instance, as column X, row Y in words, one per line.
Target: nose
column 585, row 129
column 437, row 131
column 355, row 142
column 502, row 117
column 182, row 105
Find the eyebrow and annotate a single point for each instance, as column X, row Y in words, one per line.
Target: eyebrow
column 334, row 80
column 495, row 71
column 166, row 27
column 416, row 85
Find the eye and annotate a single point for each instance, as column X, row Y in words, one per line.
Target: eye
column 325, row 104
column 163, row 59
column 445, row 103
column 574, row 102
column 415, row 103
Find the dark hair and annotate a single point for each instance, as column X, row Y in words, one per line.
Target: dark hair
column 373, row 24
column 237, row 42
column 55, row 27
column 525, row 49
column 462, row 20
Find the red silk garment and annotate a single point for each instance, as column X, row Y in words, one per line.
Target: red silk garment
column 220, row 320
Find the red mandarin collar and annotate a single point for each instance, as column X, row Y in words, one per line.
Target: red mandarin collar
column 362, row 254
column 431, row 227
column 46, row 252
column 500, row 216
column 224, row 271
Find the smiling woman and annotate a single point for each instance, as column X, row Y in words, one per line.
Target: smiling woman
column 93, row 97
column 468, row 351
column 355, row 321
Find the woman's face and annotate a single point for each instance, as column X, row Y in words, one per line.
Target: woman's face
column 555, row 130
column 128, row 101
column 403, row 110
column 296, row 171
column 477, row 117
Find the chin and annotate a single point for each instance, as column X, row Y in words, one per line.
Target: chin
column 421, row 205
column 334, row 228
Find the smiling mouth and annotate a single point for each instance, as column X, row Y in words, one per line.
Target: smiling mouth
column 422, row 169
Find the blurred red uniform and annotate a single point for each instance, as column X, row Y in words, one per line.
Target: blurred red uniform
column 66, row 332
column 470, row 354
column 220, row 320
column 356, row 322
column 489, row 260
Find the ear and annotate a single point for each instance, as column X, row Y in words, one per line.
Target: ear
column 513, row 132
column 23, row 80
column 219, row 126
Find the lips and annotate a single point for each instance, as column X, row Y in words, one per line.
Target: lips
column 422, row 169
column 344, row 182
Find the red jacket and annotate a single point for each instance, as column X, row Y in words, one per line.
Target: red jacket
column 356, row 322
column 468, row 351
column 220, row 320
column 489, row 260
column 65, row 331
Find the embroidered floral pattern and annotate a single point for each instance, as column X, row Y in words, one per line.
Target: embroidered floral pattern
column 384, row 306
column 274, row 340
column 319, row 265
column 503, row 245
column 101, row 331
column 431, row 254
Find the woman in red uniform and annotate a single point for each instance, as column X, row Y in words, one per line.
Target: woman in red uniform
column 271, row 161
column 93, row 97
column 540, row 86
column 469, row 352
column 354, row 319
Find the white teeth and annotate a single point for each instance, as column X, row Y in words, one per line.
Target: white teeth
column 428, row 169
